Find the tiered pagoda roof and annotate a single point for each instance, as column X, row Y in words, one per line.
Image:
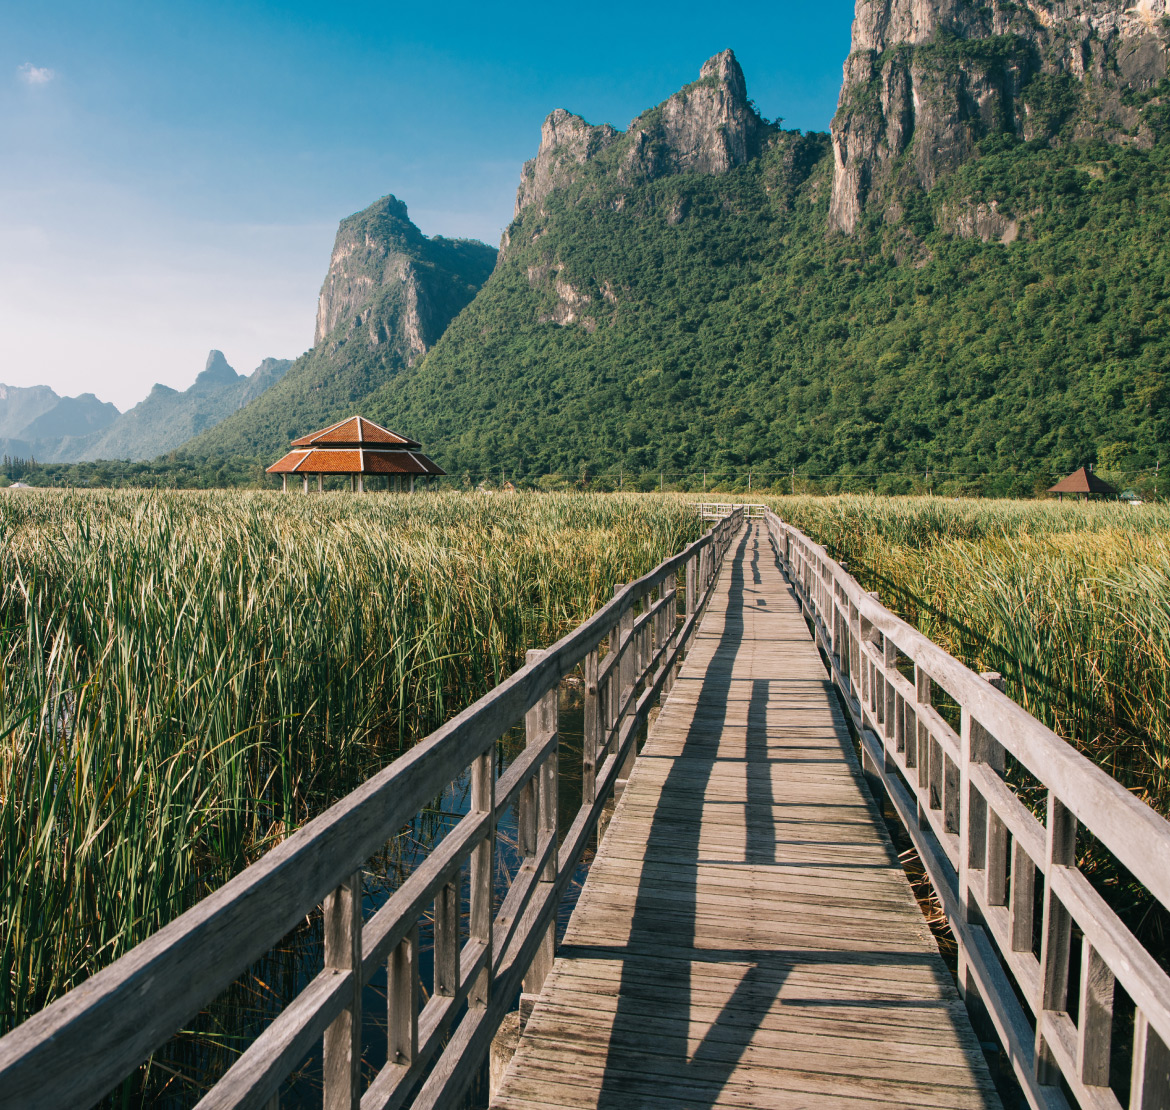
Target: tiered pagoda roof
column 355, row 446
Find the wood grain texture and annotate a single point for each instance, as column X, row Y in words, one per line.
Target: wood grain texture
column 75, row 1050
column 746, row 936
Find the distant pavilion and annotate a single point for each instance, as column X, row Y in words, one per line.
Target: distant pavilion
column 1083, row 483
column 360, row 448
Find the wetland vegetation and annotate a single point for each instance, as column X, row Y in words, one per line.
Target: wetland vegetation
column 189, row 677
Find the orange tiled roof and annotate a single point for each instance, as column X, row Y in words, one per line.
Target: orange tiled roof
column 356, row 431
column 354, row 461
column 400, row 462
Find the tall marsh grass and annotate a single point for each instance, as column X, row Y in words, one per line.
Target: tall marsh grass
column 1069, row 601
column 186, row 678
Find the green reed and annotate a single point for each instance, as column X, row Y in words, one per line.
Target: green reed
column 186, row 678
column 1069, row 601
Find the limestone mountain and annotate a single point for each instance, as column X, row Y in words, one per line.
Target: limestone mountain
column 678, row 297
column 21, row 405
column 927, row 80
column 968, row 278
column 709, row 126
column 389, row 294
column 36, row 423
column 168, row 418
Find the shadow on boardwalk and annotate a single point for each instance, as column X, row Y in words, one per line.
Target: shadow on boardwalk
column 750, row 974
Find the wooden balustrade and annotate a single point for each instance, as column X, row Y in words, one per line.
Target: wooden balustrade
column 985, row 850
column 76, row 1050
column 717, row 510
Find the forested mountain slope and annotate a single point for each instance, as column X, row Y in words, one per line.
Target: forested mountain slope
column 968, row 277
column 1005, row 325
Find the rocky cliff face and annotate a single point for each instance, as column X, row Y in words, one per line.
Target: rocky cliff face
column 388, row 296
column 373, row 248
column 927, row 79
column 709, row 126
column 387, row 281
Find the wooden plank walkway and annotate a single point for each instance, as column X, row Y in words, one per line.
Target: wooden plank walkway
column 746, row 936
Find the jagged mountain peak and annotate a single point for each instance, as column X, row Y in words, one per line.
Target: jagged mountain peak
column 373, row 248
column 708, row 126
column 725, row 68
column 216, row 372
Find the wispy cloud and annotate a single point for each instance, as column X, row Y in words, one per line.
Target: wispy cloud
column 35, row 75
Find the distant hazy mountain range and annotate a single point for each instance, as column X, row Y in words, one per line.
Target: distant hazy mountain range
column 36, row 423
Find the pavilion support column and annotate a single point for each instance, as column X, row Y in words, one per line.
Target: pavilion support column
column 412, row 483
column 320, row 483
column 352, row 483
column 361, row 481
column 284, row 483
column 306, row 483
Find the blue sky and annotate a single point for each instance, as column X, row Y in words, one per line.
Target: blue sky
column 173, row 174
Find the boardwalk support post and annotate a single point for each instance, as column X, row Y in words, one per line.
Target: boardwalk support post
column 342, row 1061
column 627, row 674
column 483, row 866
column 541, row 728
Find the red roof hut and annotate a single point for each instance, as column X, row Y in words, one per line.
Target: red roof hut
column 1083, row 482
column 360, row 448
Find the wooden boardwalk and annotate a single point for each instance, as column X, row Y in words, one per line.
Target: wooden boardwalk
column 746, row 936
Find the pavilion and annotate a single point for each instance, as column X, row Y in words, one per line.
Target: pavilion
column 360, row 448
column 1084, row 483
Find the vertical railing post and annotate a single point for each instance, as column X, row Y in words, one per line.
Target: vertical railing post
column 402, row 993
column 447, row 939
column 665, row 588
column 1021, row 911
column 1095, row 1022
column 592, row 730
column 855, row 669
column 613, row 691
column 973, row 748
column 835, row 629
column 483, row 866
column 994, row 848
column 669, row 627
column 1151, row 1066
column 692, row 583
column 540, row 725
column 642, row 642
column 609, row 695
column 627, row 677
column 890, row 715
column 924, row 695
column 1056, row 933
column 342, row 1056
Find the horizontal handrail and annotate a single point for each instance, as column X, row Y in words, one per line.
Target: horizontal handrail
column 716, row 510
column 983, row 847
column 75, row 1050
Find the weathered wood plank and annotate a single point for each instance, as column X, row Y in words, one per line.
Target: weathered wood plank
column 746, row 936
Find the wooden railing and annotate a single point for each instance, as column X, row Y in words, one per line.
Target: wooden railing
column 716, row 510
column 986, row 852
column 74, row 1051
